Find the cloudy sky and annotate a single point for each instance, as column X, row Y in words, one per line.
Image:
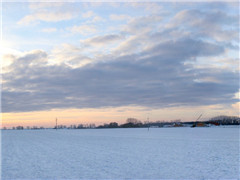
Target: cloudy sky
column 99, row 62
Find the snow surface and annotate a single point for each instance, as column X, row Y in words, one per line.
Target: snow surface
column 161, row 153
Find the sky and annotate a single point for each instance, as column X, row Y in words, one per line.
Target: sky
column 101, row 62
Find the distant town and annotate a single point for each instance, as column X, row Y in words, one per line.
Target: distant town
column 135, row 123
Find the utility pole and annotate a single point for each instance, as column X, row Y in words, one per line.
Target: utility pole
column 148, row 123
column 56, row 123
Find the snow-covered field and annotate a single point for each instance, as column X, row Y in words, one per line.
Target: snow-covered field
column 161, row 153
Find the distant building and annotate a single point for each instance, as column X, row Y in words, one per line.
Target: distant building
column 199, row 124
column 177, row 124
column 214, row 123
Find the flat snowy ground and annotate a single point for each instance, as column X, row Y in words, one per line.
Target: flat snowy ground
column 161, row 153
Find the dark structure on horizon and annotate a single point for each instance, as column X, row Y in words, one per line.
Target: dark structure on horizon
column 135, row 123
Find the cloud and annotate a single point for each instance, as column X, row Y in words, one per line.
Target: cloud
column 194, row 48
column 236, row 106
column 97, row 19
column 102, row 40
column 119, row 17
column 83, row 29
column 69, row 55
column 92, row 17
column 142, row 24
column 46, row 16
column 44, row 5
column 152, row 7
column 88, row 14
column 49, row 30
column 153, row 61
column 48, row 12
column 207, row 24
column 8, row 60
column 155, row 78
column 221, row 63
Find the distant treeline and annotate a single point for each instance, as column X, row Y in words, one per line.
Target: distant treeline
column 135, row 123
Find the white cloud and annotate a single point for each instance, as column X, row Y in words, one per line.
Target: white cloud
column 150, row 7
column 41, row 5
column 69, row 55
column 45, row 16
column 119, row 17
column 92, row 17
column 102, row 40
column 142, row 24
column 97, row 19
column 153, row 8
column 219, row 63
column 132, row 44
column 88, row 14
column 49, row 30
column 48, row 12
column 83, row 29
column 237, row 95
column 7, row 54
column 7, row 60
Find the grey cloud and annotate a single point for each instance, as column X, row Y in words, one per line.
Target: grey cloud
column 184, row 28
column 101, row 40
column 194, row 48
column 197, row 17
column 217, row 25
column 142, row 24
column 156, row 77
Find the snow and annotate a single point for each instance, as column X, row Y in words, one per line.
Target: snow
column 160, row 153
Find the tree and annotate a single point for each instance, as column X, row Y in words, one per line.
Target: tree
column 19, row 128
column 80, row 126
column 133, row 121
column 113, row 125
column 92, row 125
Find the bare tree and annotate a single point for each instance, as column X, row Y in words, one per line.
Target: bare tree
column 133, row 121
